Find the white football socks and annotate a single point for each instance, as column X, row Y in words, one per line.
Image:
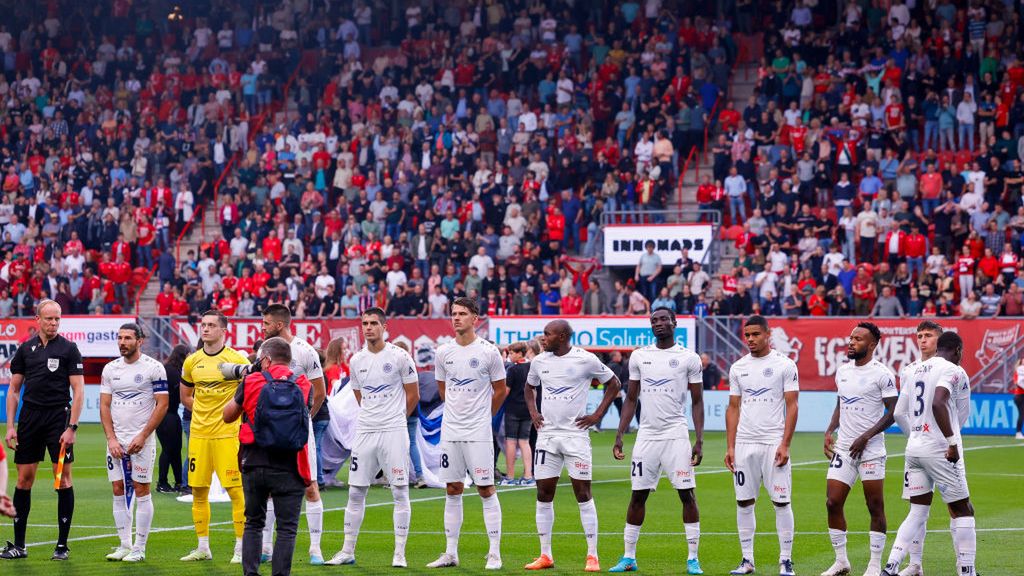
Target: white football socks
column 746, row 524
column 965, row 539
column 123, row 521
column 354, row 511
column 545, row 522
column 910, row 530
column 315, row 522
column 877, row 543
column 453, row 523
column 630, row 535
column 401, row 516
column 784, row 526
column 492, row 521
column 144, row 520
column 692, row 539
column 838, row 538
column 588, row 517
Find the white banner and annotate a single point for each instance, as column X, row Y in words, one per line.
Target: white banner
column 595, row 333
column 96, row 336
column 624, row 243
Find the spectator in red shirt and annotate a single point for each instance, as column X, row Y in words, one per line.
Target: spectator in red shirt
column 572, row 303
column 165, row 301
column 272, row 247
column 965, row 272
column 915, row 247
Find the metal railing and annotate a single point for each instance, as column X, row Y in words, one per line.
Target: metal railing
column 997, row 375
column 719, row 337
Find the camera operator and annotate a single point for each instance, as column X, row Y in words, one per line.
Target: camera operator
column 275, row 473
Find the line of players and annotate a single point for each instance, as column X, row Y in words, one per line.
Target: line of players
column 665, row 377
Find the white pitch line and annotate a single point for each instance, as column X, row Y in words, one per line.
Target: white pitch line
column 473, row 493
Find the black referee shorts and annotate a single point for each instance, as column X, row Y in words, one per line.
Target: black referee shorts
column 39, row 431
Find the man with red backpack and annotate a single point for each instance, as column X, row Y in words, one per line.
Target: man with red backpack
column 274, row 461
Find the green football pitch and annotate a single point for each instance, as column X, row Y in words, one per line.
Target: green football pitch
column 995, row 472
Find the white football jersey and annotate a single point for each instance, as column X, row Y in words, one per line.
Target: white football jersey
column 761, row 384
column 133, row 389
column 305, row 360
column 962, row 397
column 665, row 377
column 926, row 440
column 467, row 373
column 861, row 392
column 381, row 378
column 565, row 382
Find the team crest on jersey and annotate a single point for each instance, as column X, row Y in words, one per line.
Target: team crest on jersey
column 388, row 368
column 768, row 372
column 52, row 364
column 673, row 363
column 138, row 378
column 474, row 363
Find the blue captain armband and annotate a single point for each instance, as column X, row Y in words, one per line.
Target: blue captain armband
column 159, row 385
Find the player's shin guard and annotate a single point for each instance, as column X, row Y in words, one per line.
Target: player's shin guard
column 746, row 524
column 237, row 511
column 588, row 517
column 452, row 523
column 545, row 522
column 65, row 512
column 911, row 529
column 23, row 505
column 201, row 515
column 877, row 543
column 354, row 517
column 692, row 539
column 315, row 522
column 965, row 542
column 630, row 536
column 916, row 547
column 785, row 526
column 402, row 516
column 123, row 521
column 492, row 521
column 143, row 521
column 838, row 538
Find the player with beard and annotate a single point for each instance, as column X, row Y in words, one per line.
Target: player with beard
column 133, row 401
column 660, row 377
column 867, row 397
column 277, row 321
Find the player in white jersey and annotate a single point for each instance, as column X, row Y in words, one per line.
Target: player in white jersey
column 564, row 375
column 930, row 406
column 133, row 401
column 760, row 421
column 928, row 332
column 386, row 387
column 277, row 321
column 867, row 396
column 470, row 376
column 660, row 375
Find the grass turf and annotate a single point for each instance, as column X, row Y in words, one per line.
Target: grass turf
column 995, row 471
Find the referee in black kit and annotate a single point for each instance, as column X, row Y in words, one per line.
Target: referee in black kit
column 49, row 368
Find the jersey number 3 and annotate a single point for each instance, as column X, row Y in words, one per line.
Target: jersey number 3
column 919, row 398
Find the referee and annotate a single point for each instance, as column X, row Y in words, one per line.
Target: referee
column 49, row 367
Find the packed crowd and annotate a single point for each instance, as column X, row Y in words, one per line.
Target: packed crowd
column 876, row 170
column 352, row 155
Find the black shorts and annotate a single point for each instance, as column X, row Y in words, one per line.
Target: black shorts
column 39, row 431
column 517, row 428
